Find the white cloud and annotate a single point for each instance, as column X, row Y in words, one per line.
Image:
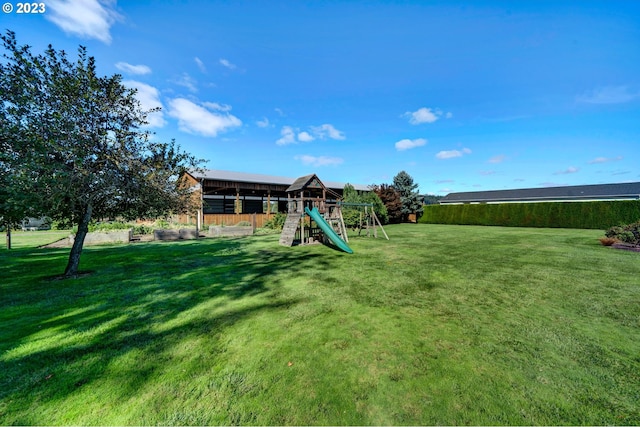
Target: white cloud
column 263, row 123
column 605, row 160
column 197, row 119
column 288, row 136
column 425, row 115
column 319, row 161
column 149, row 98
column 200, row 64
column 187, row 81
column 407, row 144
column 227, row 64
column 422, row 115
column 327, row 130
column 487, row 173
column 609, row 95
column 305, row 137
column 90, row 19
column 452, row 153
column 497, row 159
column 569, row 170
column 215, row 106
column 133, row 69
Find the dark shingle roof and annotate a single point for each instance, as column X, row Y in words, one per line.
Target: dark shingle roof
column 629, row 190
column 301, row 182
column 265, row 179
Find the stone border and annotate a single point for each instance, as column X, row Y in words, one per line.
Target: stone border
column 218, row 231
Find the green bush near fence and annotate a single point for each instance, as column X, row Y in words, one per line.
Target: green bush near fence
column 589, row 215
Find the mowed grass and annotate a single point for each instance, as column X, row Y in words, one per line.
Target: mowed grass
column 439, row 325
column 32, row 239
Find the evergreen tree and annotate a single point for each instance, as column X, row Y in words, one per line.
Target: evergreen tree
column 409, row 196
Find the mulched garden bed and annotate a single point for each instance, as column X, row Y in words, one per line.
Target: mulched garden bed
column 626, row 247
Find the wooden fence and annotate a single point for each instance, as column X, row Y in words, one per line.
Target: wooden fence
column 224, row 219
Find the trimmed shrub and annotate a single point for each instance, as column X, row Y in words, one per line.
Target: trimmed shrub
column 629, row 233
column 591, row 215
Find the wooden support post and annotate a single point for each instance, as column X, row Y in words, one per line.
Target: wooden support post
column 269, row 204
column 375, row 217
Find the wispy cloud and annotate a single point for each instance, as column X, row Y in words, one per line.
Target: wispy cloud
column 289, row 135
column 200, row 119
column 569, row 170
column 450, row 154
column 263, row 123
column 187, row 81
column 487, row 173
column 425, row 115
column 609, row 95
column 215, row 106
column 327, row 131
column 319, row 161
column 200, row 64
column 605, row 160
column 91, row 19
column 444, row 181
column 227, row 64
column 407, row 144
column 133, row 69
column 149, row 98
column 497, row 159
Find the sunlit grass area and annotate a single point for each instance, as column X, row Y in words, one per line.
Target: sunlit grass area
column 439, row 325
column 33, row 239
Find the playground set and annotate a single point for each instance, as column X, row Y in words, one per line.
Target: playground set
column 308, row 197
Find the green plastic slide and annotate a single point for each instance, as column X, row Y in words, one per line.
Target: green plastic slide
column 328, row 230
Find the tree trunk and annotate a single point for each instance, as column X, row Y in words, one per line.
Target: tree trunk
column 8, row 237
column 76, row 249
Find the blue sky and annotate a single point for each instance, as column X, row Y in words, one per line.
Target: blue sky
column 464, row 96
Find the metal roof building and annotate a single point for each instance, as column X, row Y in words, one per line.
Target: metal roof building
column 226, row 192
column 622, row 191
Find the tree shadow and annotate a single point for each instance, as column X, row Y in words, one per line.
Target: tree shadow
column 59, row 337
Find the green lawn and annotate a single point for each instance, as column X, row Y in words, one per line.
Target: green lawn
column 31, row 239
column 439, row 325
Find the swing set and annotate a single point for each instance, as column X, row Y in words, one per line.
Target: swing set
column 368, row 219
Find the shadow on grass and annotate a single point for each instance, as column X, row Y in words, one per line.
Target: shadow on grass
column 133, row 319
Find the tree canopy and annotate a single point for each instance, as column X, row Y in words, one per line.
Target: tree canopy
column 74, row 145
column 351, row 214
column 391, row 200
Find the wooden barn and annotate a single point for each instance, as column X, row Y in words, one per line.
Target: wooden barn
column 230, row 197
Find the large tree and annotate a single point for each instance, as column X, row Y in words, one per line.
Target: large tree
column 391, row 200
column 409, row 196
column 77, row 139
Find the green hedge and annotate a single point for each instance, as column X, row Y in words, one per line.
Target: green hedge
column 595, row 215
